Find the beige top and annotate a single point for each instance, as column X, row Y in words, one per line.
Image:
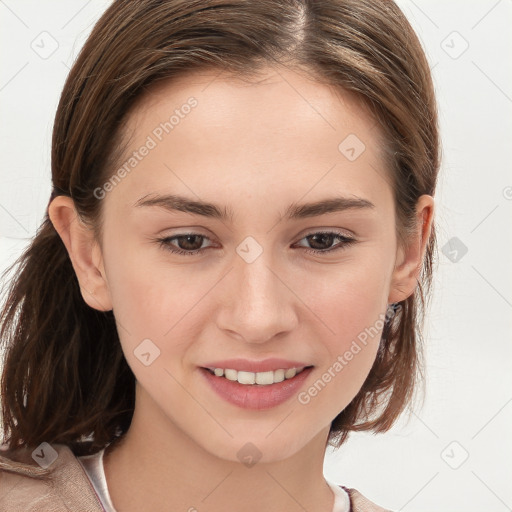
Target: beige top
column 93, row 466
column 52, row 479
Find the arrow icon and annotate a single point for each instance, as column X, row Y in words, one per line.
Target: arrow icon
column 249, row 249
column 454, row 44
column 351, row 147
column 454, row 249
column 146, row 352
column 44, row 44
column 454, row 455
column 45, row 455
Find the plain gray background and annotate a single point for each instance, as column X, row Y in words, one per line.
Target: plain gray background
column 454, row 453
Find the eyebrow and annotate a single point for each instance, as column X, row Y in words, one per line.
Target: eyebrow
column 173, row 203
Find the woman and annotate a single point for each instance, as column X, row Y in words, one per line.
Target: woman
column 232, row 270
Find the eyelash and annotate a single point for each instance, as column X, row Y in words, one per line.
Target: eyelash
column 165, row 243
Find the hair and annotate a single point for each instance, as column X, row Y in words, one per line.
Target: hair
column 65, row 378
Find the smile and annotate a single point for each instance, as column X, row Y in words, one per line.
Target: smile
column 256, row 390
column 261, row 378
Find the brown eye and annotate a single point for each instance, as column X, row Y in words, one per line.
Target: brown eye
column 191, row 244
column 321, row 242
column 188, row 244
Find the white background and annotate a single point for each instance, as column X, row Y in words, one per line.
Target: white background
column 419, row 465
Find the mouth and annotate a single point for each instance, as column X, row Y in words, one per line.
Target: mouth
column 256, row 390
column 266, row 378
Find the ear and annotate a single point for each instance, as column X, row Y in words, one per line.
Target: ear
column 84, row 252
column 410, row 258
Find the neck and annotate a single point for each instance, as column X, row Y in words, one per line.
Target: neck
column 157, row 466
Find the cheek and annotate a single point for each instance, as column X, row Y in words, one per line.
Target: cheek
column 348, row 296
column 157, row 304
column 350, row 307
column 152, row 298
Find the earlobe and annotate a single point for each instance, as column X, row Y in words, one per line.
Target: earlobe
column 407, row 270
column 84, row 252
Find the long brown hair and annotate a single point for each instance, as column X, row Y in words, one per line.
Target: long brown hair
column 65, row 378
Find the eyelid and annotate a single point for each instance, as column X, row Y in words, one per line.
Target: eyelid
column 165, row 242
column 201, row 231
column 339, row 231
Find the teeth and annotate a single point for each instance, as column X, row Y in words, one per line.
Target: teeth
column 262, row 378
column 276, row 376
column 291, row 372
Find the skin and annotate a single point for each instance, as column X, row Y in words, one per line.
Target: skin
column 255, row 148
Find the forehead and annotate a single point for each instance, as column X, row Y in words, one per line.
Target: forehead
column 280, row 131
column 273, row 89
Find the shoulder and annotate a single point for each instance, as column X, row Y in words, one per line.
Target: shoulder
column 360, row 503
column 47, row 478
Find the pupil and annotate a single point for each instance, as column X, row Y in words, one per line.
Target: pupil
column 187, row 242
column 322, row 236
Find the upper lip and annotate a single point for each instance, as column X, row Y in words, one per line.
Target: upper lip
column 246, row 365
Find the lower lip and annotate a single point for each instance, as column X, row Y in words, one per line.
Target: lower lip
column 256, row 396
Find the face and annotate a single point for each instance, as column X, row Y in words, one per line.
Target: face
column 257, row 273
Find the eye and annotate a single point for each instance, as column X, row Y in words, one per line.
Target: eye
column 322, row 238
column 189, row 241
column 191, row 244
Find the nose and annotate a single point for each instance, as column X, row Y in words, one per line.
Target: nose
column 259, row 303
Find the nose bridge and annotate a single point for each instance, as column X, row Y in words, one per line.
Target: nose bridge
column 257, row 282
column 261, row 307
